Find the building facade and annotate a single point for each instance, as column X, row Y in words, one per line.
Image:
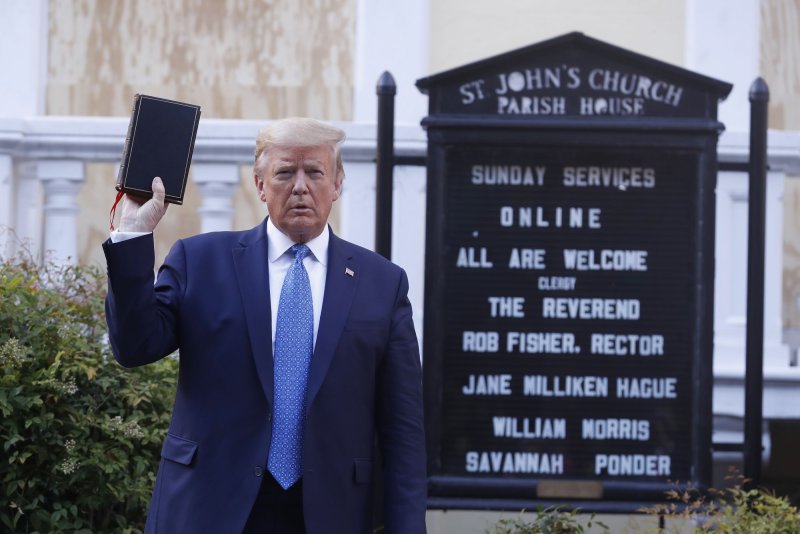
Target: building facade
column 72, row 66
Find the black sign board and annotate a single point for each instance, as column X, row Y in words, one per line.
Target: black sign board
column 569, row 276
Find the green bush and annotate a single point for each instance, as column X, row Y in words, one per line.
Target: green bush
column 754, row 512
column 546, row 521
column 734, row 510
column 80, row 435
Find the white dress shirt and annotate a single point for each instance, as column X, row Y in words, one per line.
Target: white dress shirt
column 118, row 236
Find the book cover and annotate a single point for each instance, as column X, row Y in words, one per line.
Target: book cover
column 160, row 142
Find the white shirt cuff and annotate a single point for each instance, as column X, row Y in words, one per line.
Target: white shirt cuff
column 118, row 237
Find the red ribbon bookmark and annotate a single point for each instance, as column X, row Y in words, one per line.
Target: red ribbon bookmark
column 114, row 209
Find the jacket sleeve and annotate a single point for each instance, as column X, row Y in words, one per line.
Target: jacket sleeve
column 400, row 423
column 142, row 317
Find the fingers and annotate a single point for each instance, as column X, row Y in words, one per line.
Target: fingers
column 128, row 210
column 135, row 201
column 127, row 216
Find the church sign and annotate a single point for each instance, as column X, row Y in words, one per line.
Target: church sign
column 569, row 276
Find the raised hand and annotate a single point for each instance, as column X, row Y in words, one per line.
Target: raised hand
column 139, row 216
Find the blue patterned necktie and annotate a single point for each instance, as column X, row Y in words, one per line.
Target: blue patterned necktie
column 294, row 342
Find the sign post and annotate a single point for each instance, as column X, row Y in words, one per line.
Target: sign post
column 569, row 277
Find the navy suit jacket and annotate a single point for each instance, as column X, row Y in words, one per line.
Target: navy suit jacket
column 211, row 301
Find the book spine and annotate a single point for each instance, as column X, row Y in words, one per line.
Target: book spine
column 126, row 147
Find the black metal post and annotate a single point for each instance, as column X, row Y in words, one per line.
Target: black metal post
column 384, row 165
column 754, row 344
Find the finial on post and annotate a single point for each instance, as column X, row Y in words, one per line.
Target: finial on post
column 759, row 91
column 386, row 84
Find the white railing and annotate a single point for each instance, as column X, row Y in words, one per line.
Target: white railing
column 42, row 171
column 781, row 379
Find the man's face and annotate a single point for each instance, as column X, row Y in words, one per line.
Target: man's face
column 299, row 185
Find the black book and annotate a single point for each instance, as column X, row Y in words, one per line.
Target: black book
column 160, row 142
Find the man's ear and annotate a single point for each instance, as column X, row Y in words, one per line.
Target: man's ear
column 337, row 188
column 260, row 187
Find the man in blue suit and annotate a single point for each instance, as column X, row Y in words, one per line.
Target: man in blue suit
column 297, row 349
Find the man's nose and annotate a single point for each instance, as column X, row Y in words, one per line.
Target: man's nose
column 300, row 184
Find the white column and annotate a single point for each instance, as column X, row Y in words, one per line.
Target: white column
column 23, row 40
column 7, row 246
column 217, row 183
column 722, row 41
column 23, row 62
column 61, row 181
column 391, row 36
column 27, row 210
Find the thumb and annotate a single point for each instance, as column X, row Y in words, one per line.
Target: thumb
column 159, row 192
column 148, row 216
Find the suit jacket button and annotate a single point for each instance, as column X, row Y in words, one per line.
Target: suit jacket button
column 269, row 416
column 259, row 470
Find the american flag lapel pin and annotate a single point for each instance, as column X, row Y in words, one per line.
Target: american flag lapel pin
column 349, row 272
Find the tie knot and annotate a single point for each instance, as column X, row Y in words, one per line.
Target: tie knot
column 300, row 251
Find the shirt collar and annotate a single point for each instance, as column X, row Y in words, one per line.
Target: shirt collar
column 278, row 243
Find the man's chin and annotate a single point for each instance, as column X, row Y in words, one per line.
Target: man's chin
column 300, row 222
column 301, row 229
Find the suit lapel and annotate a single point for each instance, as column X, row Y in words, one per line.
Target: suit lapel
column 340, row 287
column 252, row 275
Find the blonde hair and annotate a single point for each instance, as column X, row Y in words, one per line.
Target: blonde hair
column 299, row 131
